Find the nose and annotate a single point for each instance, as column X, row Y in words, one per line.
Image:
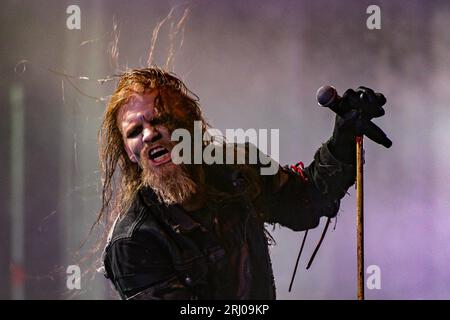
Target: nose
column 150, row 134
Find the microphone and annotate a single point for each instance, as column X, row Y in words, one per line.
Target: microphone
column 328, row 97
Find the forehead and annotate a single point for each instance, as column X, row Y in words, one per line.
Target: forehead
column 137, row 104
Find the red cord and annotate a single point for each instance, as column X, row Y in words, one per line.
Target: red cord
column 298, row 168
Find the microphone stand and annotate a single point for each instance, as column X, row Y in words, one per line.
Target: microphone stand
column 360, row 214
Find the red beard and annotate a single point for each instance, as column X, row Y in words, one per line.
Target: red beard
column 173, row 184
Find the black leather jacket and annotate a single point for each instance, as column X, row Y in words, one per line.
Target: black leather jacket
column 159, row 252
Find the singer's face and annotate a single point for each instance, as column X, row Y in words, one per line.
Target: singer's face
column 145, row 137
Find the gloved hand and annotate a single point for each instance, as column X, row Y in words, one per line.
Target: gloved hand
column 361, row 106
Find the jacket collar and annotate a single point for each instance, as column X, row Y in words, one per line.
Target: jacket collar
column 173, row 215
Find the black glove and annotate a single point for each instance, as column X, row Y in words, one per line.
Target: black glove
column 361, row 106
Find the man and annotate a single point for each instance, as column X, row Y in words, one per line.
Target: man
column 196, row 231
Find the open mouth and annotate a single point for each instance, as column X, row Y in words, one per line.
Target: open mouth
column 159, row 155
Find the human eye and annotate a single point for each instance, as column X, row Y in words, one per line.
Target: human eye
column 134, row 131
column 161, row 119
column 155, row 121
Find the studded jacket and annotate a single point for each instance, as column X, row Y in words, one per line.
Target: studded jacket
column 163, row 252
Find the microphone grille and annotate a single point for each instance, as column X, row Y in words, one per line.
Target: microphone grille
column 326, row 95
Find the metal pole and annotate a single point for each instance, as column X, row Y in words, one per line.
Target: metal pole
column 360, row 215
